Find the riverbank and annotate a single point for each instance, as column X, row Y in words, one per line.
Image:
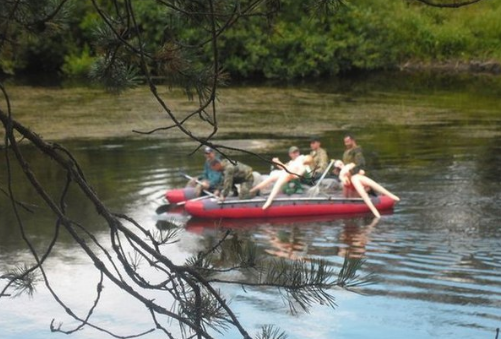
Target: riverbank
column 492, row 67
column 267, row 109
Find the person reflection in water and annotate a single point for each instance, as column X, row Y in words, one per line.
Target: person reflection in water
column 285, row 244
column 355, row 238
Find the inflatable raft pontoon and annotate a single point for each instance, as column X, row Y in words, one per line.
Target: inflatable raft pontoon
column 178, row 195
column 285, row 206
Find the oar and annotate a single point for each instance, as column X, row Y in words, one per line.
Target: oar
column 313, row 191
column 196, row 180
column 167, row 207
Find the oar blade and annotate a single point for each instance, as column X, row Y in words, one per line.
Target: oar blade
column 163, row 208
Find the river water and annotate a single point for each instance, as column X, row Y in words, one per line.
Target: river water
column 435, row 142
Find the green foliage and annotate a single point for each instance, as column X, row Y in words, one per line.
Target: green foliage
column 301, row 40
column 78, row 65
column 364, row 35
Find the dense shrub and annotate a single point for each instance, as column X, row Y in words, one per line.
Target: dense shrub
column 362, row 35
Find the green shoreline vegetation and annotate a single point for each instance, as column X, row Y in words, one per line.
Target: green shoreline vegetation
column 363, row 35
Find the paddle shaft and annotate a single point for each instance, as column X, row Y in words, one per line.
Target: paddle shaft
column 182, row 203
column 325, row 173
column 198, row 182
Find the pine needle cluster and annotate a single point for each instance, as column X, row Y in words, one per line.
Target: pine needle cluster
column 23, row 280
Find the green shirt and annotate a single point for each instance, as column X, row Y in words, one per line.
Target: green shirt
column 354, row 155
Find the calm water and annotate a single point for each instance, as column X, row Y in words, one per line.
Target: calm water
column 437, row 257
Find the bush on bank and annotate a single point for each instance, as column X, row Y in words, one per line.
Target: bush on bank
column 363, row 35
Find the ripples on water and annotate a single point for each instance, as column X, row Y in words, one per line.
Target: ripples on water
column 437, row 257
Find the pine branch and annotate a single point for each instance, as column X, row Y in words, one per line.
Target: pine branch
column 114, row 74
column 271, row 332
column 209, row 309
column 22, row 279
column 348, row 277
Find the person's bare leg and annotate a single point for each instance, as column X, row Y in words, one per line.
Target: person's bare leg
column 283, row 179
column 346, row 192
column 377, row 187
column 356, row 181
column 273, row 177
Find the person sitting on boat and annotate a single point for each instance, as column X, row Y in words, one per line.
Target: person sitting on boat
column 353, row 154
column 294, row 153
column 294, row 169
column 294, row 185
column 357, row 184
column 320, row 158
column 209, row 180
column 233, row 173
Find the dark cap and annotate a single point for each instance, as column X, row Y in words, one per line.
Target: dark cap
column 293, row 149
column 314, row 138
column 215, row 161
column 208, row 150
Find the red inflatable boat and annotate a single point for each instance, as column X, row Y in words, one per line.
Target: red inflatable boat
column 285, row 206
column 179, row 195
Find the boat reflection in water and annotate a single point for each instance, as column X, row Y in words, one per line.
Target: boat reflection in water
column 294, row 238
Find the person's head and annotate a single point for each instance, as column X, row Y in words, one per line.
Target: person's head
column 216, row 165
column 338, row 164
column 349, row 141
column 293, row 152
column 308, row 160
column 209, row 153
column 315, row 143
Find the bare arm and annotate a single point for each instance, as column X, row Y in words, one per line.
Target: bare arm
column 277, row 161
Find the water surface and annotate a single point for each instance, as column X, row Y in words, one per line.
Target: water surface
column 436, row 142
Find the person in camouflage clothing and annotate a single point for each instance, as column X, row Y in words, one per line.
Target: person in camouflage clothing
column 320, row 158
column 353, row 154
column 237, row 173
